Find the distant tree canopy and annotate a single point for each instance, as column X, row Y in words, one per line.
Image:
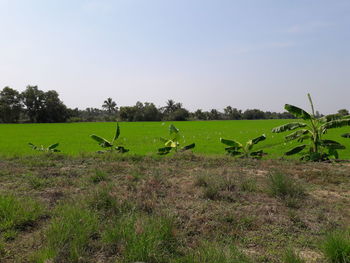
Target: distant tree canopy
column 34, row 105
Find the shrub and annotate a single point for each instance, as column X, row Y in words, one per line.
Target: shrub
column 336, row 247
column 68, row 235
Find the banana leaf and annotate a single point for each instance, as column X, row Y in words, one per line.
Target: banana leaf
column 296, row 134
column 297, row 112
column 102, row 142
column 259, row 139
column 188, row 147
column 231, row 143
column 53, row 146
column 117, row 133
column 164, row 150
column 288, row 127
column 336, row 124
column 296, row 150
column 330, row 144
column 34, row 147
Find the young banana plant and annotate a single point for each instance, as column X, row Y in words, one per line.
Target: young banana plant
column 244, row 151
column 312, row 131
column 41, row 148
column 173, row 143
column 109, row 145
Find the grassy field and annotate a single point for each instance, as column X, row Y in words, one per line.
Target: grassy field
column 179, row 209
column 142, row 137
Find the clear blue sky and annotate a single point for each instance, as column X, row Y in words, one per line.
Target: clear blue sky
column 204, row 53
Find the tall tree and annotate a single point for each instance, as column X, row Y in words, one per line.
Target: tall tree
column 10, row 105
column 109, row 105
column 54, row 110
column 33, row 100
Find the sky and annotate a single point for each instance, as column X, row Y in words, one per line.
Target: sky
column 204, row 53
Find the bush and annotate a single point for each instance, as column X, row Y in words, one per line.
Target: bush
column 336, row 247
column 210, row 253
column 67, row 237
column 141, row 238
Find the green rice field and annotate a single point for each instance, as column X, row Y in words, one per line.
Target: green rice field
column 143, row 137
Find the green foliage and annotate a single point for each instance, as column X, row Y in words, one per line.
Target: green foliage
column 10, row 105
column 68, row 235
column 291, row 257
column 17, row 213
column 41, row 148
column 141, row 238
column 109, row 145
column 212, row 252
column 173, row 142
column 336, row 247
column 319, row 149
column 237, row 149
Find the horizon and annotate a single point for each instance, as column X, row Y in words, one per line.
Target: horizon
column 204, row 54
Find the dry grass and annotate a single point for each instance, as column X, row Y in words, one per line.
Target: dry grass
column 215, row 200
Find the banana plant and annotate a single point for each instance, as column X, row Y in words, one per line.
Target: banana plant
column 237, row 149
column 41, row 148
column 173, row 143
column 109, row 145
column 312, row 130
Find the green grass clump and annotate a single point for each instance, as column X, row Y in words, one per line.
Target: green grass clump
column 68, row 236
column 286, row 188
column 211, row 252
column 291, row 257
column 104, row 202
column 141, row 238
column 336, row 247
column 98, row 176
column 214, row 184
column 17, row 213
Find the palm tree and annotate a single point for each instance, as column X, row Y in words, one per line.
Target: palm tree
column 109, row 105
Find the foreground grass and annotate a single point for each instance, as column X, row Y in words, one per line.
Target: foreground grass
column 184, row 208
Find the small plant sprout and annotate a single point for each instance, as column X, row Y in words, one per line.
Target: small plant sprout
column 173, row 143
column 109, row 145
column 318, row 149
column 41, row 148
column 237, row 149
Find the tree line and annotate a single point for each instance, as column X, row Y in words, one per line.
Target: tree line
column 36, row 106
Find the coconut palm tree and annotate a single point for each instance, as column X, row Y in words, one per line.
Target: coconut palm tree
column 109, row 105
